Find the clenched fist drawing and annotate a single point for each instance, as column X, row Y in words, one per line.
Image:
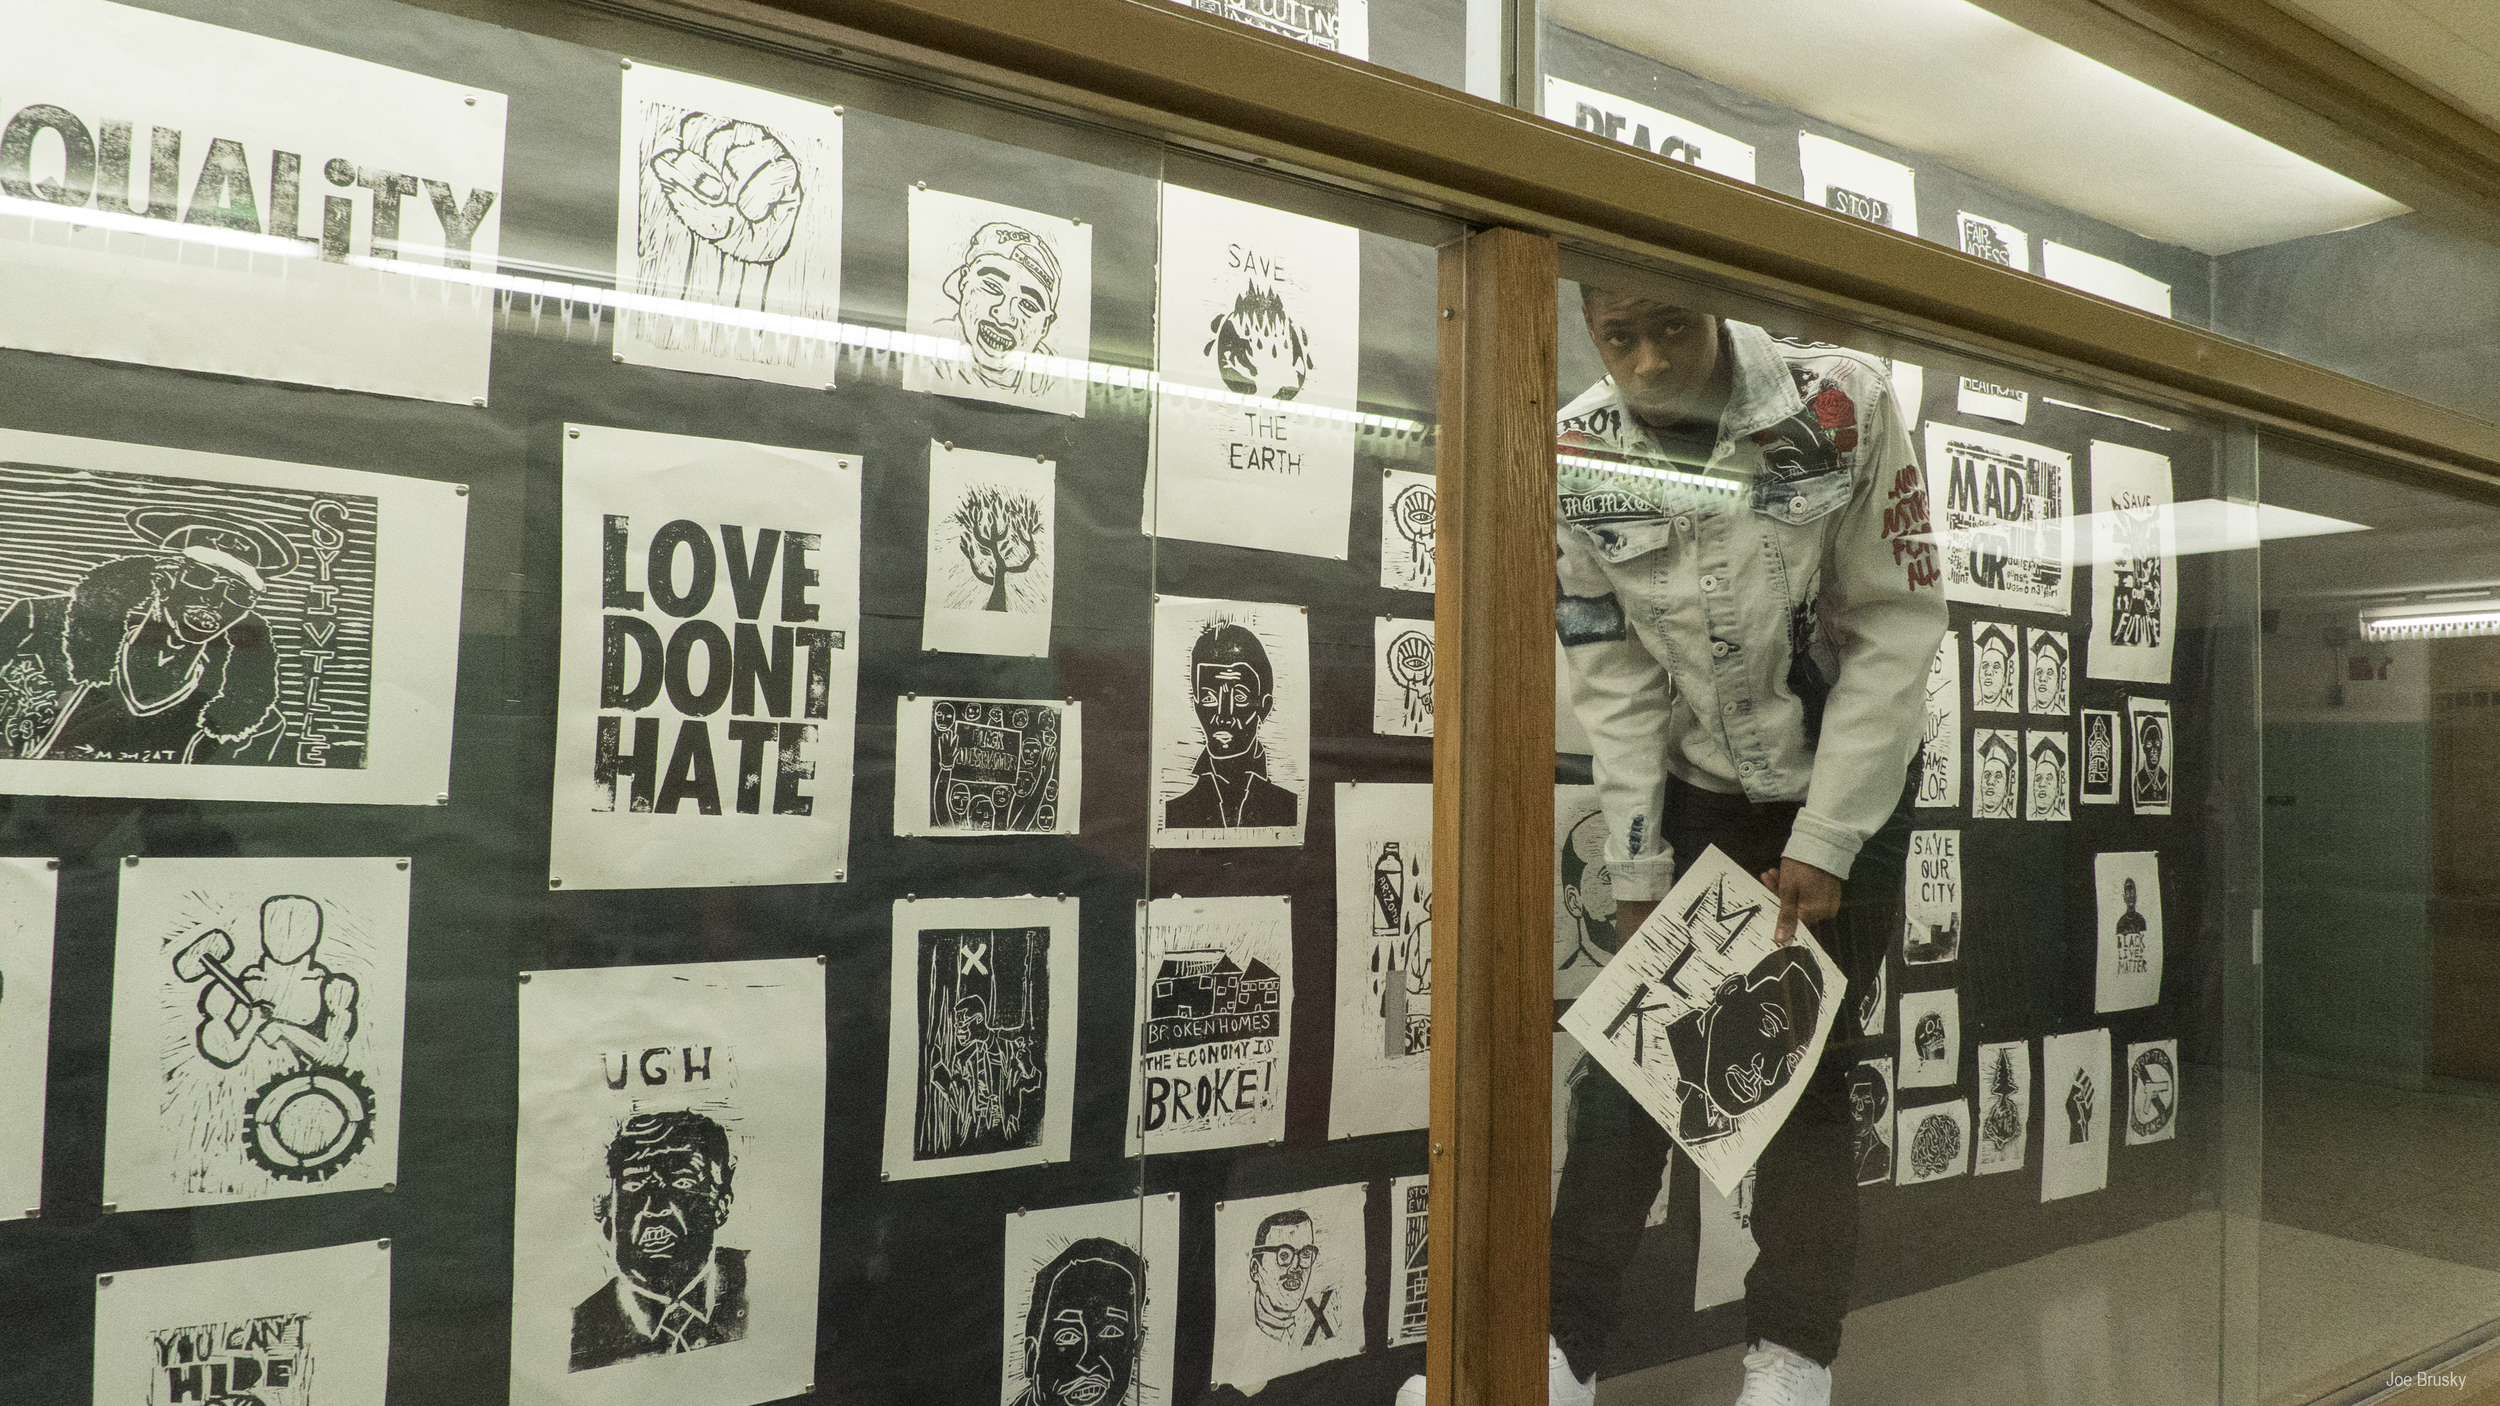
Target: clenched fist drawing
column 2079, row 1109
column 735, row 185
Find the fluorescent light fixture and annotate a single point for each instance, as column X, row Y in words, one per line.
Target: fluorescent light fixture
column 2197, row 527
column 2430, row 620
column 1617, row 466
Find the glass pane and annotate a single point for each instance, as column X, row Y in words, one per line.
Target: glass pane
column 1429, row 39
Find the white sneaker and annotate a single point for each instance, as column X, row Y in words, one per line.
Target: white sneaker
column 1774, row 1376
column 1411, row 1394
column 1561, row 1388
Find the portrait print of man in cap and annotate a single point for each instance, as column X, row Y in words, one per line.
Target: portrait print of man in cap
column 157, row 656
column 1006, row 296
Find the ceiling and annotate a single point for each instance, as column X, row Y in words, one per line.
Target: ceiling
column 2449, row 46
column 1955, row 82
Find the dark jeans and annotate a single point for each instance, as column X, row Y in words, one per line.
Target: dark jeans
column 1805, row 1210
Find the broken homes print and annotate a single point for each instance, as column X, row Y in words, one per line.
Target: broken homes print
column 1215, row 1023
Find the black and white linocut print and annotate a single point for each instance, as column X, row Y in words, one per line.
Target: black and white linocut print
column 1584, row 891
column 2135, row 596
column 2152, row 756
column 993, row 553
column 2127, row 892
column 1342, row 25
column 174, row 622
column 1870, row 1120
column 1090, row 1301
column 1940, row 729
column 28, row 889
column 2007, row 516
column 1410, row 1232
column 2152, row 1092
column 2047, row 787
column 2077, row 1100
column 1931, row 893
column 1383, row 1059
column 1993, row 240
column 1996, row 658
column 668, row 1183
column 1402, row 677
column 1935, row 1141
column 1726, row 1248
column 987, row 766
column 306, row 1328
column 1231, row 723
column 1291, row 1273
column 1931, row 1038
column 981, row 1051
column 2046, row 679
column 999, row 302
column 257, row 1018
column 1857, row 183
column 1214, row 1032
column 2004, row 1107
column 1409, row 517
column 2104, row 751
column 729, row 229
column 1996, row 761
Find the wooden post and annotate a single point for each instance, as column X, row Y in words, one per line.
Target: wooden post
column 1493, row 823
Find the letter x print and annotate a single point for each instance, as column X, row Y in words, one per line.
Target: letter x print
column 1319, row 1317
column 972, row 959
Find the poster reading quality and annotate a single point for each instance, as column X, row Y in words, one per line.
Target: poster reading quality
column 178, row 194
column 710, row 667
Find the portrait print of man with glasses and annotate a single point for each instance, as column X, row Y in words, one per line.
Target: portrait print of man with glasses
column 1281, row 1259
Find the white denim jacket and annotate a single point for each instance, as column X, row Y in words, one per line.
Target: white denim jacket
column 1764, row 627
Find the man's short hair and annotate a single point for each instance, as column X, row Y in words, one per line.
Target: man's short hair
column 1279, row 1221
column 645, row 1133
column 1225, row 643
column 1090, row 1248
column 1575, row 866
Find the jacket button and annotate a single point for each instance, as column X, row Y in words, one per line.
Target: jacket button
column 1684, row 524
column 1718, row 649
column 1710, row 583
column 1797, row 507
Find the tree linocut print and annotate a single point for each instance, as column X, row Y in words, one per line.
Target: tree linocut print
column 668, row 1183
column 2077, row 1100
column 2004, row 1107
column 1291, row 1273
column 257, row 1015
column 307, row 1328
column 1214, row 1031
column 987, row 766
column 220, row 628
column 1383, row 1071
column 981, row 1048
column 1231, row 723
column 1258, row 331
column 1402, row 677
column 1409, row 517
column 2007, row 518
column 1091, row 1298
column 710, row 663
column 993, row 553
column 28, row 888
column 1005, row 299
column 728, row 229
column 2135, row 593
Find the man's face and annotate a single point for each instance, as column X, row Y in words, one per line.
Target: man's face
column 1664, row 359
column 2048, row 785
column 1753, row 1040
column 2045, row 677
column 2149, row 739
column 1992, row 665
column 1866, row 1098
column 972, row 1024
column 1281, row 1267
column 1231, row 704
column 1088, row 1345
column 2129, row 893
column 668, row 1203
column 1993, row 784
column 1003, row 311
column 201, row 602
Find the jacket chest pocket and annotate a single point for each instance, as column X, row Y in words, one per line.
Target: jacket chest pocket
column 1803, row 500
column 1621, row 541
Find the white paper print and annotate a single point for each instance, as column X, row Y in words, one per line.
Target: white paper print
column 1341, row 25
column 2152, row 758
column 980, row 1068
column 669, row 1183
column 993, row 553
column 987, row 766
column 307, row 1328
column 2045, row 777
column 257, row 1016
column 1996, row 667
column 215, row 201
column 1570, row 739
column 1231, row 723
column 2004, row 1107
column 1383, row 1080
column 2135, row 593
column 1993, row 240
column 1931, row 895
column 1727, row 1248
column 1091, row 1302
column 1258, row 332
column 1931, row 1038
column 2004, row 514
column 1410, row 1249
column 2102, row 754
column 1935, row 1141
column 1291, row 1273
column 27, row 892
column 2152, row 1092
column 220, row 628
column 1992, row 401
column 1402, row 677
column 2105, row 277
column 1706, row 1022
column 729, row 203
column 2077, row 1101
column 1940, row 728
column 1409, row 518
column 2047, row 681
column 1007, row 298
column 1858, row 183
column 1909, row 392
column 710, row 663
column 1875, row 1003
column 1870, row 1120
column 1635, row 124
column 1584, row 891
column 1214, row 1031
column 1997, row 773
column 2126, row 889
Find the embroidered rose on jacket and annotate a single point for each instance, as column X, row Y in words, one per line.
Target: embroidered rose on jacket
column 1834, row 411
